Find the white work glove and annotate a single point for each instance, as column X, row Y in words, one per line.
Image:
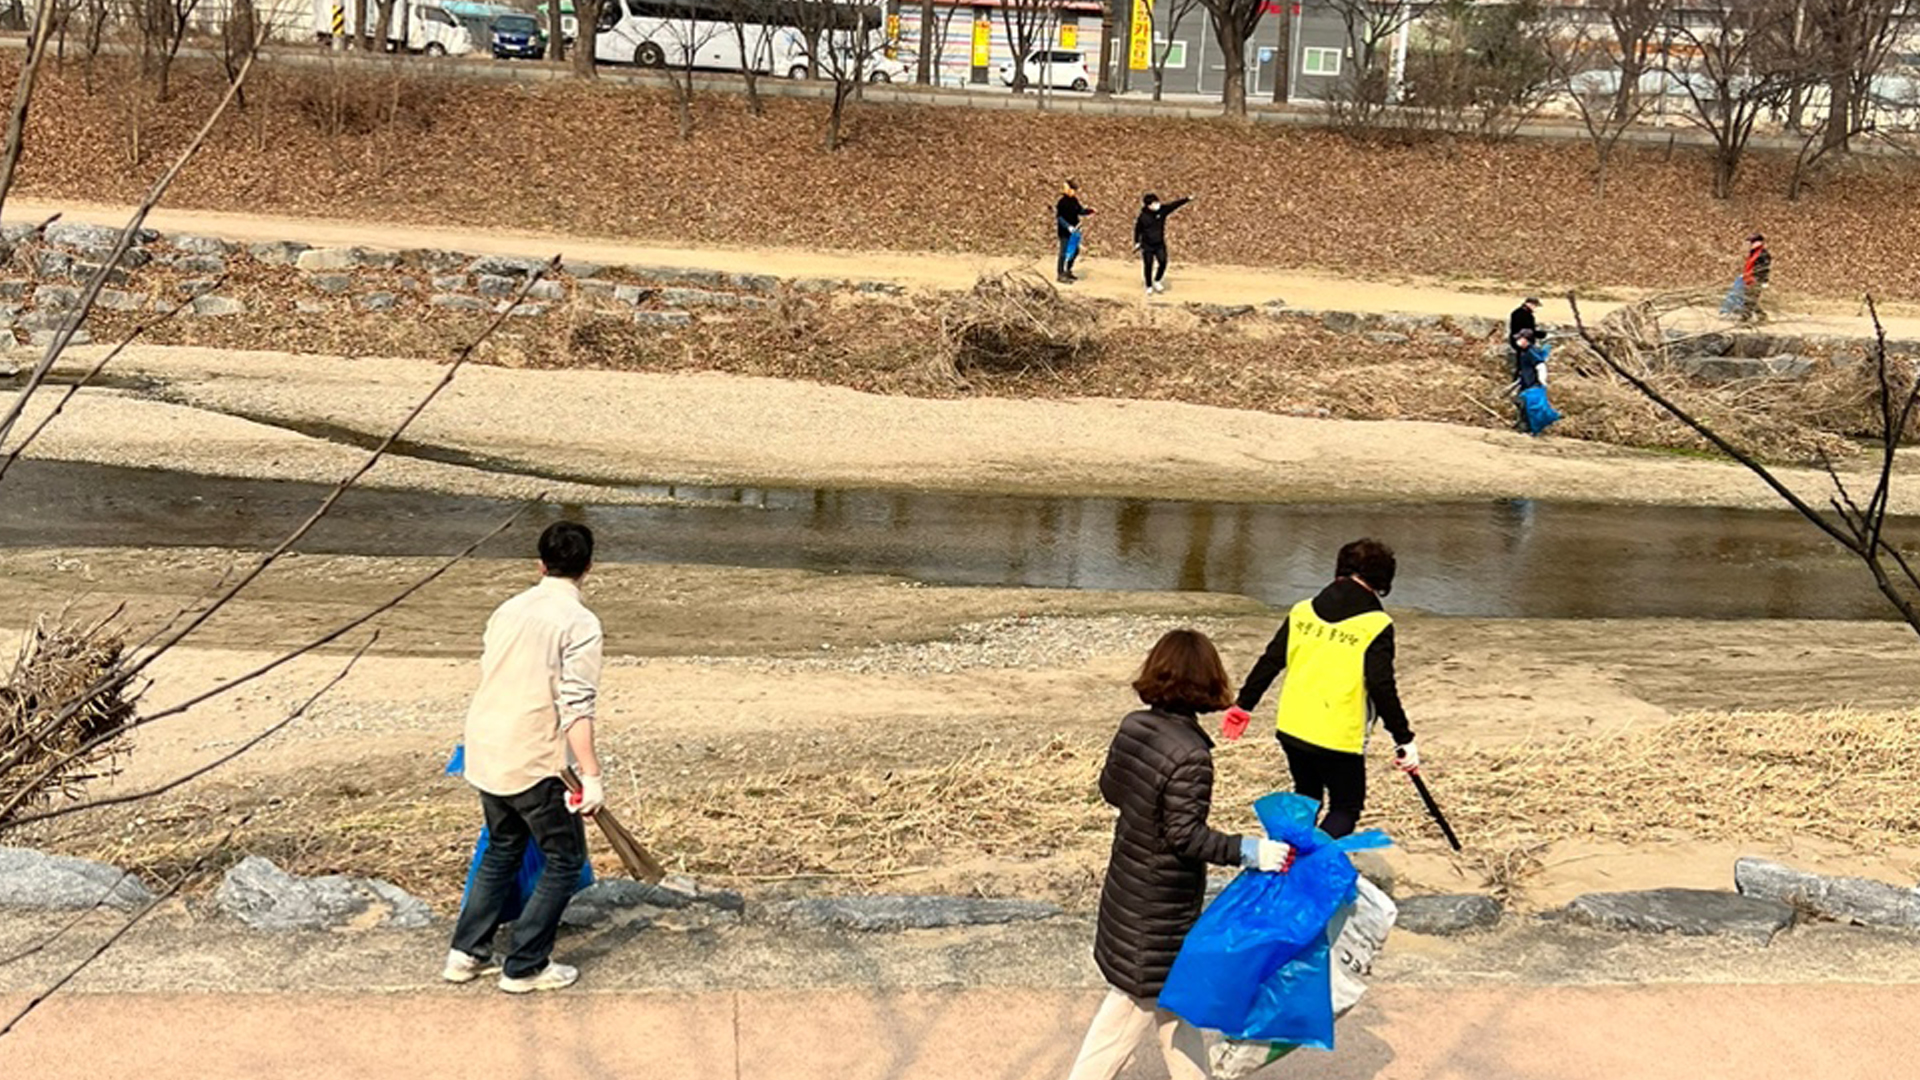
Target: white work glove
column 590, row 798
column 1273, row 856
column 1406, row 756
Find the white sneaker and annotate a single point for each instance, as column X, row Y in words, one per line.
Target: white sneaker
column 1159, row 286
column 552, row 977
column 1149, row 292
column 462, row 968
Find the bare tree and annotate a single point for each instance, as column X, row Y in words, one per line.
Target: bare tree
column 1581, row 60
column 1845, row 45
column 1857, row 525
column 163, row 29
column 1640, row 30
column 1109, row 55
column 690, row 26
column 1165, row 19
column 588, row 15
column 1283, row 54
column 1485, row 68
column 23, row 102
column 383, row 27
column 753, row 23
column 923, row 63
column 1366, row 84
column 241, row 33
column 1233, row 24
column 841, row 40
column 1736, row 64
column 1027, row 24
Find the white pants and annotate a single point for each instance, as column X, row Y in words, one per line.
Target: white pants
column 1118, row 1027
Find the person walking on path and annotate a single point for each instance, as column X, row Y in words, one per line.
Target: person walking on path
column 1337, row 651
column 1522, row 317
column 539, row 678
column 1067, row 215
column 1743, row 300
column 1150, row 238
column 1159, row 775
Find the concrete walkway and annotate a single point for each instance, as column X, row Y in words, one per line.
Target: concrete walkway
column 1648, row 1032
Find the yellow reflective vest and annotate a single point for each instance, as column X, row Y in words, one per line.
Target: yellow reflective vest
column 1324, row 698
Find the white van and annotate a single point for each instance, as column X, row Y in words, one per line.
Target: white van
column 420, row 26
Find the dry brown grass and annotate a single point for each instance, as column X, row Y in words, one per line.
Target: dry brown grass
column 59, row 661
column 974, row 821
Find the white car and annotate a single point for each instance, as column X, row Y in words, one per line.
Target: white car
column 882, row 70
column 1056, row 69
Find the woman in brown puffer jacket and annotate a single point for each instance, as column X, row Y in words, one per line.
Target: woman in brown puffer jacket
column 1159, row 774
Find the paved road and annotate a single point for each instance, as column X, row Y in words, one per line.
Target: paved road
column 1682, row 1032
column 1111, row 271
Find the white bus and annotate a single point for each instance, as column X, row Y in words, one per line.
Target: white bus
column 706, row 33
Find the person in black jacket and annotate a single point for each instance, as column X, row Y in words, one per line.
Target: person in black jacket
column 1150, row 238
column 1159, row 775
column 1067, row 213
column 1522, row 317
column 1337, row 650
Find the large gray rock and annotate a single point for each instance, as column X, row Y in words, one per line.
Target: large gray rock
column 1691, row 912
column 71, row 234
column 278, row 252
column 1443, row 916
column 496, row 285
column 116, row 300
column 52, row 264
column 663, row 319
column 322, row 260
column 1346, row 322
column 759, row 283
column 56, row 298
column 1843, row 899
column 1478, row 326
column 200, row 264
column 204, row 245
column 405, row 911
column 378, row 301
column 819, row 285
column 675, row 275
column 335, row 284
column 434, row 260
column 217, row 306
column 449, row 282
column 1684, row 346
column 265, row 897
column 870, row 913
column 506, row 266
column 683, row 298
column 454, row 302
column 33, row 879
column 547, row 290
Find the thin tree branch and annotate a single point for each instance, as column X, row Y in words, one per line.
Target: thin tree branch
column 86, row 379
column 194, row 774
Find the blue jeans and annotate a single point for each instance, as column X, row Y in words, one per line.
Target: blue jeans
column 538, row 814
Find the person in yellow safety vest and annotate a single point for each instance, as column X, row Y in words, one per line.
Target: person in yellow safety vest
column 1337, row 651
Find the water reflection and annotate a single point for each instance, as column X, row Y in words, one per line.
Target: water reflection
column 1513, row 558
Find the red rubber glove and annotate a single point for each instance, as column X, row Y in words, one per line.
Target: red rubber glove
column 1235, row 723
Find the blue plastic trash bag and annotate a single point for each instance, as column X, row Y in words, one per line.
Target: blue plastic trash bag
column 1073, row 244
column 1736, row 302
column 1256, row 965
column 1540, row 413
column 530, row 867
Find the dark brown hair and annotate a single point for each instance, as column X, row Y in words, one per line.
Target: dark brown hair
column 1183, row 674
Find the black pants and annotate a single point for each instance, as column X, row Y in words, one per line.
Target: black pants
column 1335, row 779
column 1153, row 260
column 538, row 814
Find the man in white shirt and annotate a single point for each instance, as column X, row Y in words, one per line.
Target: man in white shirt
column 539, row 675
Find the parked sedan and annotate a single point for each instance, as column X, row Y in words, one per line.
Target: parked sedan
column 518, row 37
column 1058, row 69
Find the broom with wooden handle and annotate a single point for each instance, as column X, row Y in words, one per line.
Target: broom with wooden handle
column 641, row 865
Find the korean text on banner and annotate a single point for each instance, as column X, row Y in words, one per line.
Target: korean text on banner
column 1140, row 46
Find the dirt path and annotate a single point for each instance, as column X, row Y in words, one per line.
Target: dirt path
column 1110, row 271
column 1397, row 1033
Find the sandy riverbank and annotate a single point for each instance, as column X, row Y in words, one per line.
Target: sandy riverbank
column 581, row 434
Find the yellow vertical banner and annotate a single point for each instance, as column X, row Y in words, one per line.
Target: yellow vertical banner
column 982, row 42
column 1069, row 36
column 893, row 36
column 1140, row 47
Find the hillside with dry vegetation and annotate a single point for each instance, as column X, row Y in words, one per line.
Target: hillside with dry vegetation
column 605, row 160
